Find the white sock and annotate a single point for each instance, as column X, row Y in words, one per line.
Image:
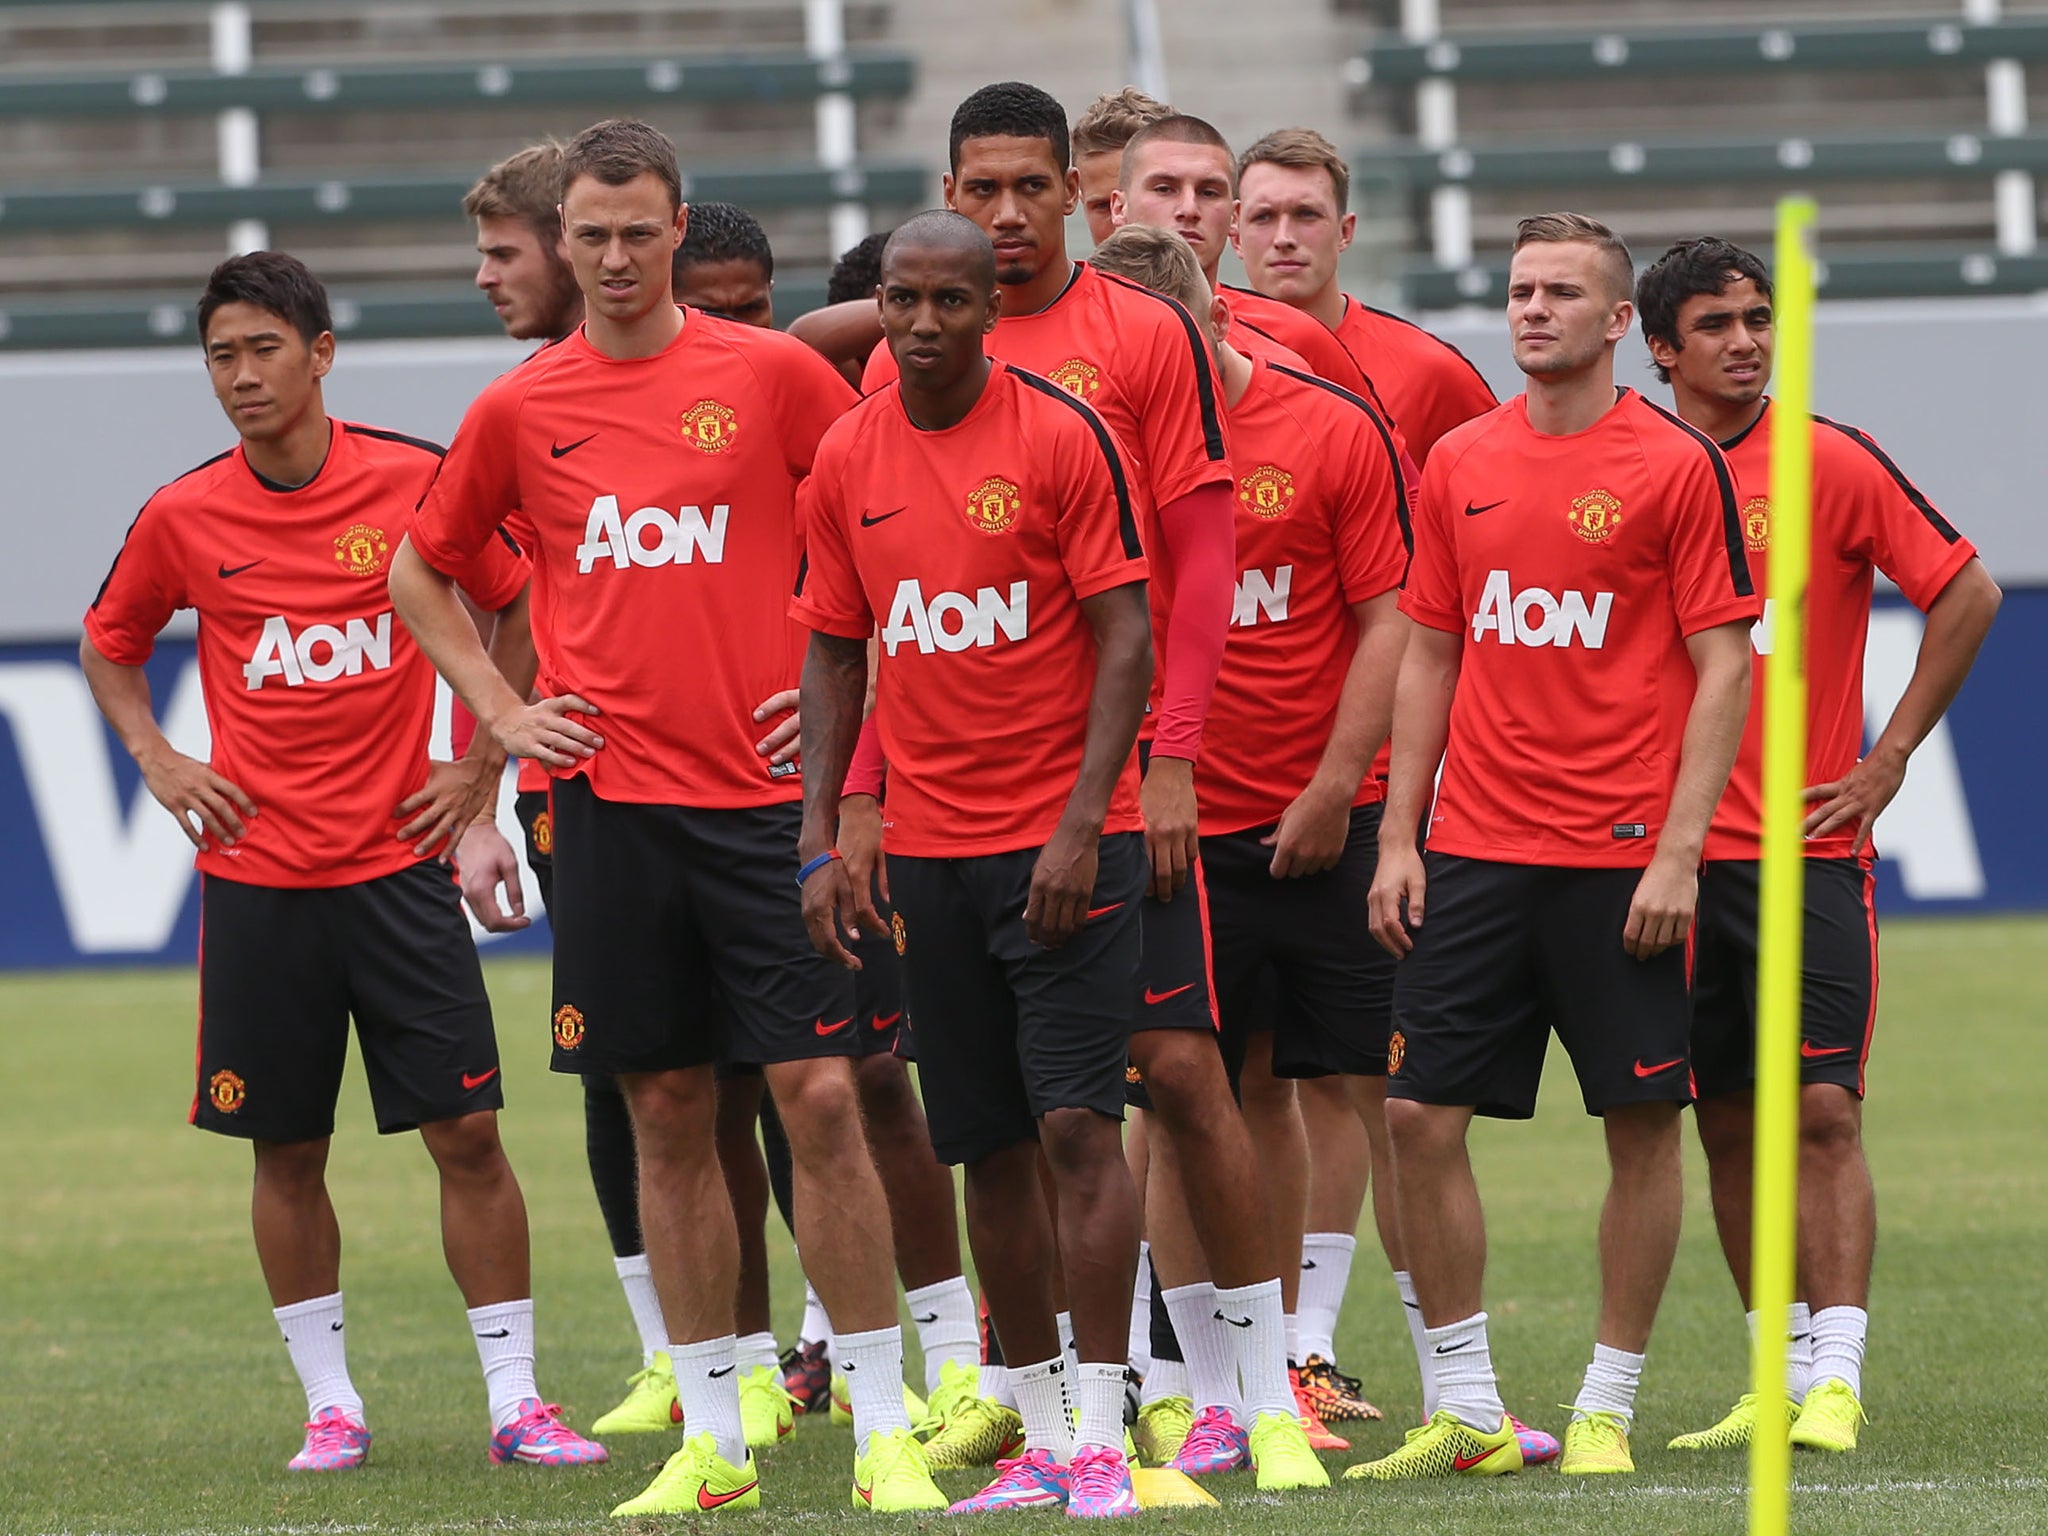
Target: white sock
column 1839, row 1334
column 817, row 1327
column 1140, row 1345
column 946, row 1327
column 319, row 1350
column 996, row 1387
column 1799, row 1352
column 1212, row 1364
column 1293, row 1322
column 1064, row 1322
column 1100, row 1395
column 504, row 1343
column 1042, row 1402
column 755, row 1350
column 638, row 1283
column 872, row 1363
column 1424, row 1364
column 1464, row 1373
column 1260, row 1350
column 1325, row 1271
column 1610, row 1384
column 708, row 1389
column 1167, row 1378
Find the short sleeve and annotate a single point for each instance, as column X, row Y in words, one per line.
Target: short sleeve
column 477, row 487
column 1097, row 524
column 1896, row 528
column 1710, row 580
column 811, row 395
column 1370, row 509
column 880, row 371
column 496, row 574
column 829, row 596
column 145, row 586
column 1177, row 401
column 1431, row 595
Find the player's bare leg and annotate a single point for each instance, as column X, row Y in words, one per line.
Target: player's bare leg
column 842, row 1216
column 1438, row 1199
column 917, row 1186
column 483, row 1214
column 1010, row 1233
column 1369, row 1101
column 1193, row 1110
column 1639, row 1223
column 1272, row 1114
column 685, row 1212
column 746, row 1185
column 298, row 1238
column 1098, row 1226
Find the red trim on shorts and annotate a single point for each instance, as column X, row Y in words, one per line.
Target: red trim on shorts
column 1870, row 922
column 1201, row 885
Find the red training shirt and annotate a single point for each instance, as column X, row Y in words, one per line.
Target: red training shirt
column 660, row 493
column 1575, row 566
column 1867, row 517
column 319, row 702
column 973, row 548
column 1428, row 384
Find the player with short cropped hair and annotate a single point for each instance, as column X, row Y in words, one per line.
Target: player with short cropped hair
column 1097, row 143
column 858, row 271
column 1707, row 316
column 725, row 265
column 321, row 893
column 988, row 522
column 1293, row 223
column 1579, row 667
column 676, row 942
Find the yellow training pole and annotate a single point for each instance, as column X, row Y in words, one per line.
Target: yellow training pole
column 1781, row 914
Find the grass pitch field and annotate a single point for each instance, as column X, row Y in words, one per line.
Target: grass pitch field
column 143, row 1387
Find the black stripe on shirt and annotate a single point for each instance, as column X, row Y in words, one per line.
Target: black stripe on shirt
column 1205, row 367
column 1731, row 518
column 1386, row 433
column 1126, row 518
column 1907, row 488
column 107, row 580
column 421, row 443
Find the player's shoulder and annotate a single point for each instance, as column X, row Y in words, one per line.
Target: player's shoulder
column 771, row 354
column 1666, row 435
column 868, row 423
column 381, row 445
column 1139, row 311
column 1839, row 446
column 196, row 485
column 1493, row 429
column 1418, row 340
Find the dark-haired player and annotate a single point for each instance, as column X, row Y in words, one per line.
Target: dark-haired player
column 1706, row 314
column 1579, row 666
column 317, row 822
column 654, row 456
column 858, row 271
column 725, row 265
column 987, row 522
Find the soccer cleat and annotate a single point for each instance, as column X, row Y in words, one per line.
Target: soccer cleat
column 1281, row 1452
column 539, row 1438
column 963, row 1429
column 1162, row 1425
column 650, row 1406
column 697, row 1480
column 894, row 1477
column 1101, row 1486
column 1215, row 1442
column 1596, row 1444
column 1030, row 1481
column 767, row 1411
column 1447, row 1447
column 1829, row 1418
column 1335, row 1396
column 1319, row 1434
column 807, row 1375
column 1539, row 1446
column 334, row 1443
column 1734, row 1430
column 842, row 1403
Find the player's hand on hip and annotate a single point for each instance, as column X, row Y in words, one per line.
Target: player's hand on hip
column 779, row 746
column 549, row 731
column 1660, row 912
column 831, row 909
column 1859, row 796
column 1062, row 885
column 483, row 862
column 860, row 845
column 1394, row 905
column 1168, row 802
column 451, row 799
column 1312, row 831
column 204, row 804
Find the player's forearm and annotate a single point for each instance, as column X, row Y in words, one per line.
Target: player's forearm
column 1713, row 735
column 122, row 694
column 1200, row 552
column 1365, row 706
column 840, row 333
column 428, row 606
column 512, row 651
column 1427, row 682
column 1116, row 704
column 833, row 688
column 1957, row 623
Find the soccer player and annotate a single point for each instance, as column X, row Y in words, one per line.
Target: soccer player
column 1579, row 666
column 1293, row 223
column 318, row 821
column 525, row 267
column 1706, row 314
column 987, row 521
column 725, row 265
column 676, row 942
column 858, row 271
column 1099, row 135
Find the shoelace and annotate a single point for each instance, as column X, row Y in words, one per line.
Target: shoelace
column 1094, row 1473
column 330, row 1432
column 545, row 1419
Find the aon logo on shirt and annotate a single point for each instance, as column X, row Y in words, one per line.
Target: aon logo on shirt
column 953, row 621
column 1262, row 595
column 319, row 653
column 650, row 536
column 1534, row 616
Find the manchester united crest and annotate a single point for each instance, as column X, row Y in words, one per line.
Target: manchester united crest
column 227, row 1090
column 544, row 834
column 710, row 427
column 362, row 550
column 993, row 505
column 1756, row 524
column 568, row 1026
column 1595, row 516
column 1079, row 379
column 896, row 931
column 1397, row 1049
column 1267, row 491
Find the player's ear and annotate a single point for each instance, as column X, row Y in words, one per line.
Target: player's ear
column 1618, row 323
column 1073, row 200
column 682, row 223
column 1346, row 228
column 323, row 353
column 1219, row 314
column 1119, row 210
column 995, row 310
column 946, row 189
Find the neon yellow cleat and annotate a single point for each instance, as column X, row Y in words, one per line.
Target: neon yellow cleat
column 974, row 1432
column 1733, row 1432
column 1447, row 1447
column 697, row 1480
column 1281, row 1453
column 1162, row 1426
column 1596, row 1444
column 650, row 1407
column 895, row 1477
column 767, row 1411
column 1829, row 1418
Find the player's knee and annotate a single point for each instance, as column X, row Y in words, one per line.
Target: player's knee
column 1079, row 1143
column 670, row 1109
column 886, row 1097
column 1725, row 1127
column 467, row 1146
column 292, row 1168
column 1829, row 1123
column 1186, row 1082
column 819, row 1106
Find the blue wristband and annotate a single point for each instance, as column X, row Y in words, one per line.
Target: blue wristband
column 815, row 865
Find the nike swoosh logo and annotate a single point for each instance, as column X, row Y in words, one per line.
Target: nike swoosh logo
column 1231, row 1320
column 1472, row 511
column 865, row 1495
column 1308, row 1263
column 675, row 1411
column 932, row 1317
column 1662, row 1066
column 868, row 520
column 1095, row 912
column 884, row 1021
column 1452, row 1349
column 502, row 1333
column 334, row 1327
column 714, row 1375
column 1811, row 1053
column 1467, row 1463
column 560, row 450
column 706, row 1499
column 469, row 1082
column 1152, row 997
column 826, row 1029
column 235, row 570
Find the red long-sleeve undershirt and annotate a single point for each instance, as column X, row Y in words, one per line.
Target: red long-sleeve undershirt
column 1199, row 560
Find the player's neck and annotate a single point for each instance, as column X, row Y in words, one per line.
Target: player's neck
column 294, row 456
column 1563, row 404
column 1051, row 281
column 1236, row 369
column 934, row 410
column 1326, row 304
column 1721, row 420
column 642, row 337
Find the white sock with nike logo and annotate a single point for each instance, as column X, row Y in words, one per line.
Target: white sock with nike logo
column 1610, row 1384
column 1325, row 1272
column 1464, row 1373
column 1212, row 1361
column 504, row 1343
column 872, row 1363
column 1798, row 1348
column 1258, row 1330
column 319, row 1350
column 708, row 1388
column 946, row 1327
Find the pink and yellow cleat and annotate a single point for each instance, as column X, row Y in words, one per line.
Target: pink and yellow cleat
column 334, row 1443
column 539, row 1438
column 1538, row 1445
column 1100, row 1487
column 1030, row 1481
column 1214, row 1443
